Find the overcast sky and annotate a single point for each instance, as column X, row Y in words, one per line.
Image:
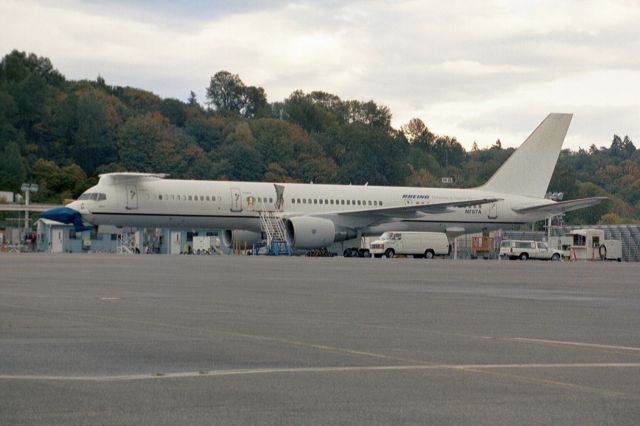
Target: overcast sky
column 476, row 70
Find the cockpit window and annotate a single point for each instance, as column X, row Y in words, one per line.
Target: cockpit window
column 94, row 196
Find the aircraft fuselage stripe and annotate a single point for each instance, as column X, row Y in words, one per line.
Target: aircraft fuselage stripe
column 204, row 216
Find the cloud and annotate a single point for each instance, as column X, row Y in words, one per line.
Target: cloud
column 474, row 70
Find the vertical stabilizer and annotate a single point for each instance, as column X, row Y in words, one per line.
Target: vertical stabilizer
column 529, row 169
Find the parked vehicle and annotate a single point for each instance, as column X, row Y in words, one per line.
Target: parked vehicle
column 418, row 244
column 525, row 249
column 589, row 244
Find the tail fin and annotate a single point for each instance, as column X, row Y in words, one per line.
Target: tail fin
column 529, row 169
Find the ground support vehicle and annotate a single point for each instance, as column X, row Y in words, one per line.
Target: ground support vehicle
column 526, row 249
column 417, row 244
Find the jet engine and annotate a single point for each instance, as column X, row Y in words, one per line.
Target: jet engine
column 305, row 232
column 229, row 236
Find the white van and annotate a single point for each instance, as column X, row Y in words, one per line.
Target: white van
column 525, row 249
column 418, row 244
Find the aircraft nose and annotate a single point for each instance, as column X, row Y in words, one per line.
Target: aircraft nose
column 61, row 214
column 65, row 215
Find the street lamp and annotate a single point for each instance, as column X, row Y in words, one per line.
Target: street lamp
column 27, row 188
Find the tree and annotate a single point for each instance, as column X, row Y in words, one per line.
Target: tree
column 314, row 116
column 414, row 129
column 367, row 113
column 8, row 112
column 150, row 143
column 95, row 141
column 227, row 94
column 192, row 101
column 368, row 154
column 622, row 148
column 174, row 110
column 205, row 131
column 12, row 170
column 224, row 93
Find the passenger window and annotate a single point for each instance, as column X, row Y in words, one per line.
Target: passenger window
column 331, row 201
column 379, row 203
column 160, row 197
column 190, row 198
column 270, row 200
column 304, row 201
column 358, row 202
column 298, row 200
column 293, row 201
column 320, row 200
column 315, row 201
column 342, row 202
column 326, row 201
column 348, row 202
column 207, row 198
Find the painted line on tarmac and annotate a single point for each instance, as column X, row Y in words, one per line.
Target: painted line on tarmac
column 580, row 344
column 257, row 371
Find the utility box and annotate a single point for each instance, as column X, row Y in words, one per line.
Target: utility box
column 202, row 244
column 589, row 244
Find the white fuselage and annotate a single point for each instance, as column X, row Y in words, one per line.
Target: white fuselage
column 194, row 204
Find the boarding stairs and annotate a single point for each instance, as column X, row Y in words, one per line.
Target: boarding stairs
column 126, row 243
column 272, row 225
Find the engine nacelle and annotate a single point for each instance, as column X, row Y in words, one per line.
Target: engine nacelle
column 228, row 236
column 304, row 232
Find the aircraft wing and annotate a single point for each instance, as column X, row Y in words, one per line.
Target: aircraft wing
column 563, row 206
column 413, row 210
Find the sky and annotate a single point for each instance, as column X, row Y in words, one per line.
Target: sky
column 476, row 70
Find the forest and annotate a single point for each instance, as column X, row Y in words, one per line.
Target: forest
column 61, row 134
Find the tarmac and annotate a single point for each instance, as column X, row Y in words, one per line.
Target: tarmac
column 152, row 340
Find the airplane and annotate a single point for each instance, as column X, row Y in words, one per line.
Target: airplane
column 317, row 215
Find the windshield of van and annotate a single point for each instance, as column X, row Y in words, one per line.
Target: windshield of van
column 386, row 236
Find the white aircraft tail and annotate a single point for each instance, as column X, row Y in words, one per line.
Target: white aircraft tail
column 529, row 169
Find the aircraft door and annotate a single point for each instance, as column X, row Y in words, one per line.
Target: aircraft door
column 132, row 197
column 279, row 196
column 56, row 241
column 236, row 200
column 493, row 211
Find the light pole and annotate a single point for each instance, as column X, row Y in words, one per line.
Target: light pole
column 27, row 188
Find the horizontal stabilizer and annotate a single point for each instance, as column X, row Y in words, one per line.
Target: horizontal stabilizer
column 563, row 206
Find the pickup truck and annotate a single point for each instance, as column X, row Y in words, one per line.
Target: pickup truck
column 524, row 249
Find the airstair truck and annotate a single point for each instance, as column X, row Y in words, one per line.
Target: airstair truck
column 589, row 244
